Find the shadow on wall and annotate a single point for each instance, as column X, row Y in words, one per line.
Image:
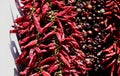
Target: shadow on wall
column 15, row 54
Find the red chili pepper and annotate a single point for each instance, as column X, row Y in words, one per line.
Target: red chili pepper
column 108, row 49
column 66, row 55
column 65, row 11
column 108, row 27
column 80, row 53
column 39, row 51
column 42, row 2
column 106, row 37
column 108, row 13
column 30, row 44
column 25, row 72
column 32, row 57
column 112, row 70
column 48, row 35
column 35, row 74
column 106, row 21
column 26, row 39
column 37, row 24
column 46, row 46
column 78, row 36
column 32, row 27
column 117, row 16
column 75, row 44
column 110, row 64
column 66, row 48
column 51, row 44
column 25, row 1
column 45, row 66
column 20, row 57
column 21, row 19
column 13, row 31
column 69, row 17
column 27, row 6
column 53, row 68
column 118, row 71
column 83, row 67
column 45, row 28
column 60, row 25
column 109, row 4
column 111, row 54
column 52, row 48
column 75, row 74
column 105, row 60
column 58, row 35
column 47, row 60
column 44, row 73
column 24, row 25
column 63, row 59
column 58, row 3
column 43, row 46
column 45, row 8
column 23, row 31
column 32, row 60
column 37, row 10
column 73, row 27
column 69, row 39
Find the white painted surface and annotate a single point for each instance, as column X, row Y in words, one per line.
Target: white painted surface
column 8, row 51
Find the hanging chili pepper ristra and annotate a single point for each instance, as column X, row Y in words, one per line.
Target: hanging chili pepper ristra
column 69, row 37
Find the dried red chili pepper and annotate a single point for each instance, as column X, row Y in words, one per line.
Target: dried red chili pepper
column 66, row 55
column 35, row 74
column 25, row 72
column 48, row 35
column 59, row 37
column 112, row 70
column 63, row 59
column 44, row 73
column 110, row 64
column 24, row 40
column 104, row 40
column 47, row 60
column 53, row 68
column 23, row 54
column 30, row 44
column 37, row 24
column 45, row 28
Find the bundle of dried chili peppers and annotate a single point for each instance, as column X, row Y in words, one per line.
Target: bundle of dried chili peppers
column 69, row 37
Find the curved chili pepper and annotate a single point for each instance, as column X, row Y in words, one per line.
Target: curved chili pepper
column 112, row 70
column 59, row 37
column 18, row 60
column 110, row 64
column 53, row 68
column 37, row 24
column 35, row 74
column 24, row 40
column 65, row 11
column 25, row 72
column 48, row 35
column 63, row 59
column 44, row 73
column 39, row 51
column 47, row 60
column 30, row 44
column 48, row 25
column 66, row 55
